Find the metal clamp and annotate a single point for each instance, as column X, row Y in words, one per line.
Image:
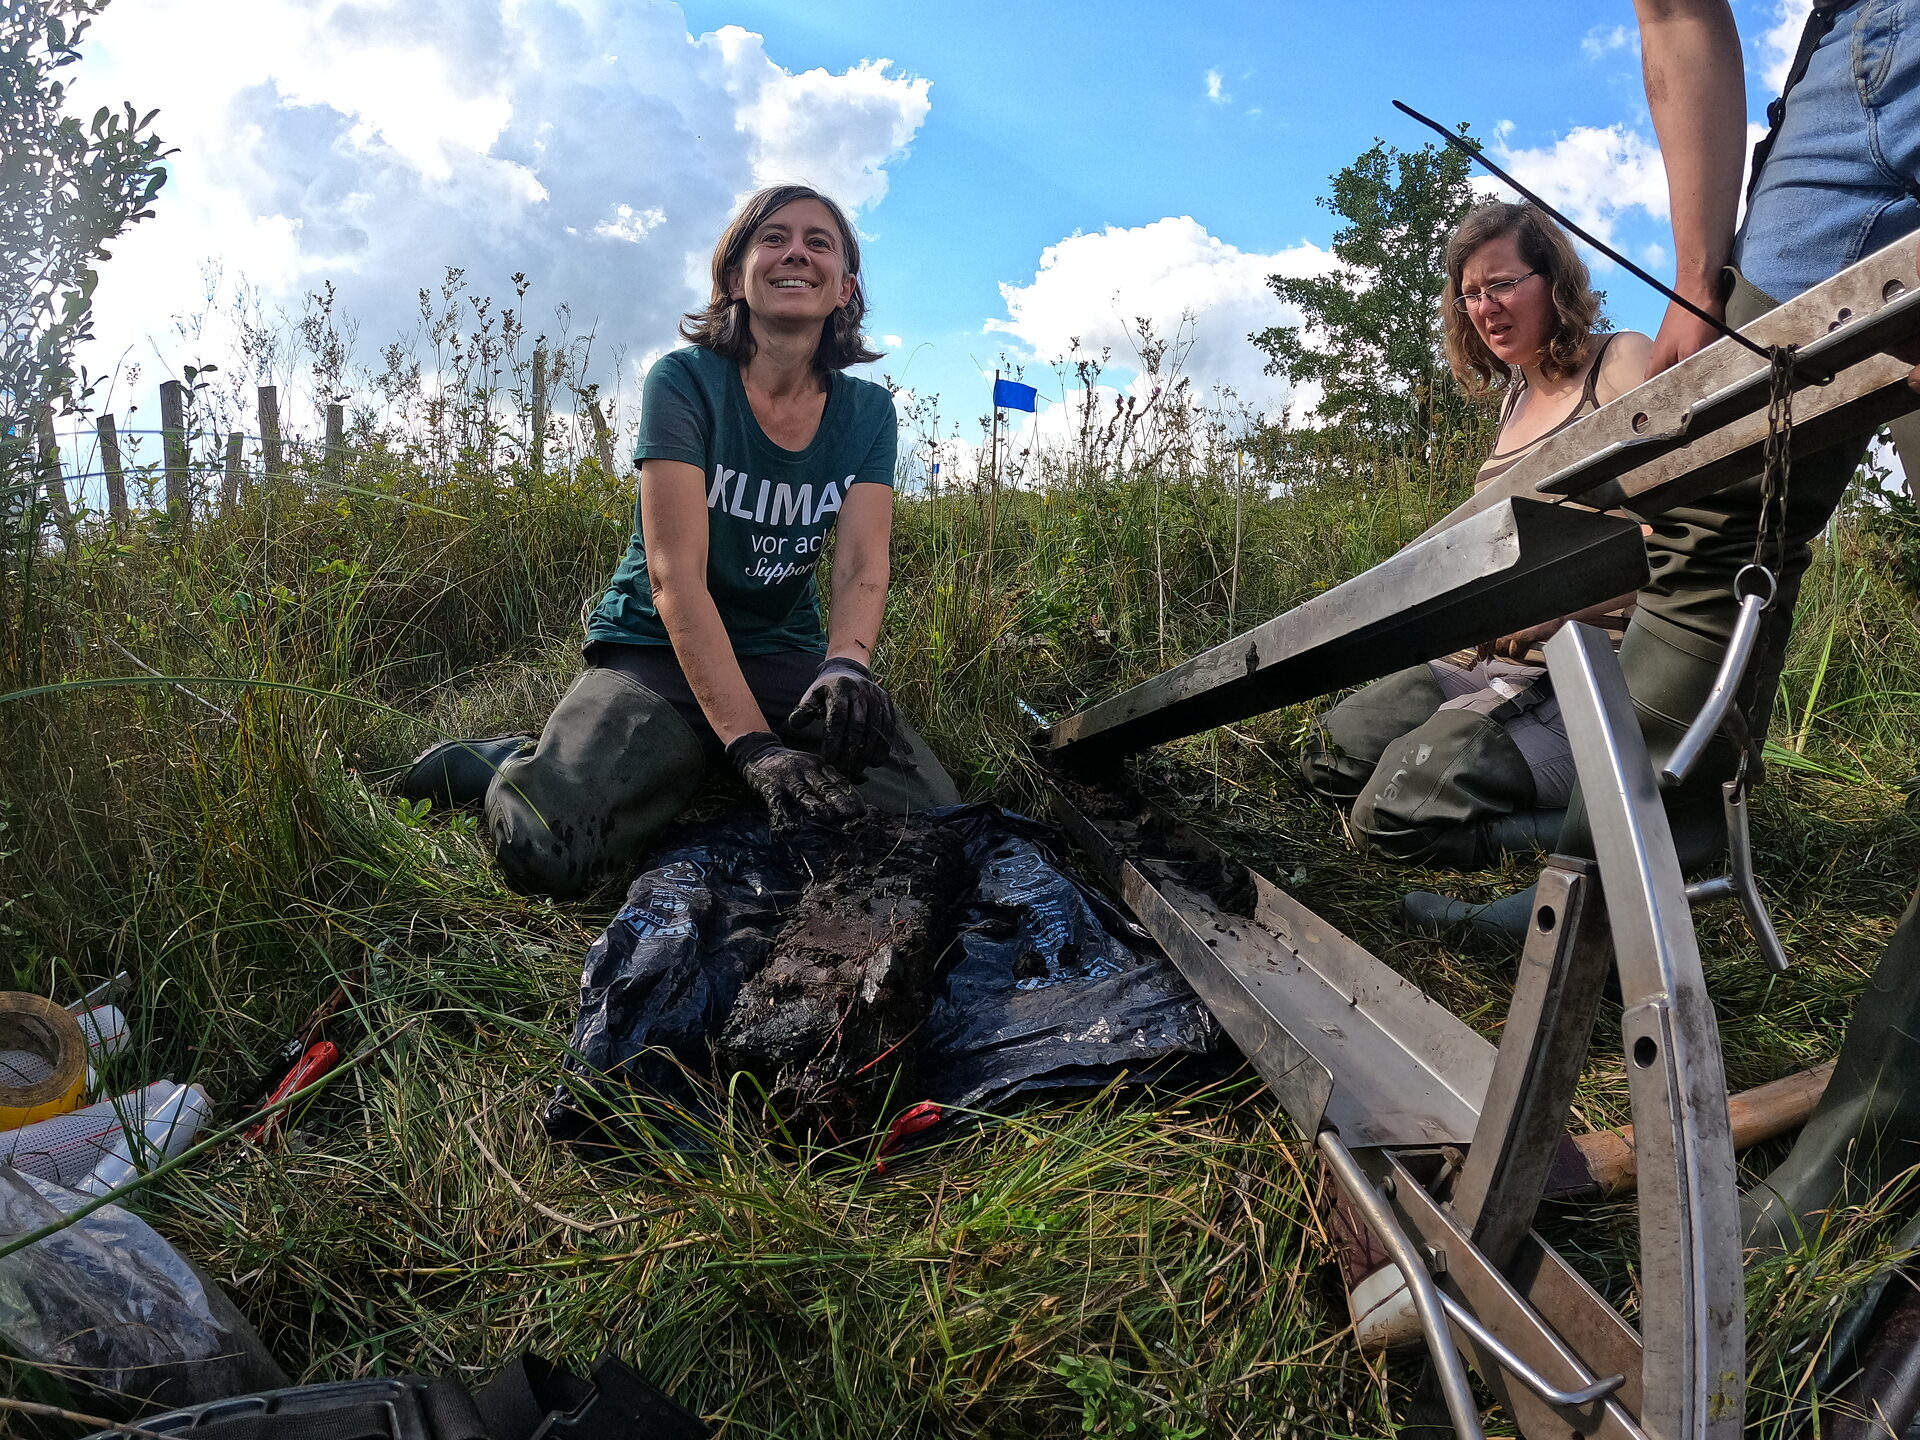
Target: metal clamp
column 1742, row 884
column 1427, row 1300
column 1733, row 665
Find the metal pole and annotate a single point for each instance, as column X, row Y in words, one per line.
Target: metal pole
column 1451, row 1372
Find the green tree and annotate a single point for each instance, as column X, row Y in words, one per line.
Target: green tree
column 1370, row 332
column 67, row 188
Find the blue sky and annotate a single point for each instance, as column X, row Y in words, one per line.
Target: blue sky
column 1025, row 176
column 1051, row 120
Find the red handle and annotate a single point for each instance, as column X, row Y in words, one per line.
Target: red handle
column 320, row 1057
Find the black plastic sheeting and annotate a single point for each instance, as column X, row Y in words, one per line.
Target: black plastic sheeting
column 1047, row 985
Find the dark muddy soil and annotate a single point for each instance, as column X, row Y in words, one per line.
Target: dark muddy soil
column 829, row 1025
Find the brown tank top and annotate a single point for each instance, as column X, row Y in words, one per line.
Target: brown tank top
column 1501, row 461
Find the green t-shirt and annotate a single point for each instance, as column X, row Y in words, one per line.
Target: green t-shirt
column 769, row 510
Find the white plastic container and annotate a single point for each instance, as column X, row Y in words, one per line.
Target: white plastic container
column 171, row 1124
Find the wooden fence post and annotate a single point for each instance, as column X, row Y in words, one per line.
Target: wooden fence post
column 51, row 478
column 334, row 466
column 272, row 461
column 537, row 451
column 173, row 439
column 602, row 433
column 116, row 477
column 230, row 478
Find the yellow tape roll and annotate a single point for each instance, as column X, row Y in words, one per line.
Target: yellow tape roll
column 43, row 1060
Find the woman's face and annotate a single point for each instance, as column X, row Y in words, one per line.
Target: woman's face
column 795, row 266
column 1517, row 325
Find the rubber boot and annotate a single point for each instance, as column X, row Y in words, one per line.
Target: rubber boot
column 1525, row 832
column 1497, row 925
column 1866, row 1128
column 455, row 774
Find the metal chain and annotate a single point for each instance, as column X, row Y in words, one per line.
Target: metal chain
column 1777, row 465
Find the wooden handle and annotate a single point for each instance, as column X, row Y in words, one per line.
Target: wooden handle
column 1603, row 1161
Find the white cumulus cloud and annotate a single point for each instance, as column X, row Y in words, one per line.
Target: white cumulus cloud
column 1603, row 40
column 594, row 145
column 1216, row 89
column 1091, row 291
column 1776, row 46
column 1593, row 175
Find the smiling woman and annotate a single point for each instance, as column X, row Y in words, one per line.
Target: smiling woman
column 755, row 450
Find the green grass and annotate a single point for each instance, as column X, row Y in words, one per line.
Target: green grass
column 1121, row 1264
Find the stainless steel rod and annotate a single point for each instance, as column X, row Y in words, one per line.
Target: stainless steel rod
column 1520, row 1370
column 1719, row 700
column 1426, row 1296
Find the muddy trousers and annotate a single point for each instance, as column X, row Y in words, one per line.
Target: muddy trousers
column 613, row 767
column 1439, row 786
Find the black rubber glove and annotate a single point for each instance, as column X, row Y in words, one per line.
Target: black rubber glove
column 856, row 715
column 796, row 786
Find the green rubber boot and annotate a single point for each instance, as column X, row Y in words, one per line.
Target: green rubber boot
column 455, row 774
column 1866, row 1128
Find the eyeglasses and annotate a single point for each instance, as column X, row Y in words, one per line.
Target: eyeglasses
column 1501, row 290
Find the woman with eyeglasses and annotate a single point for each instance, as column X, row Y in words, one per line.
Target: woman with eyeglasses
column 1460, row 760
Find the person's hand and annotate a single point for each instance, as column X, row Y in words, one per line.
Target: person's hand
column 1516, row 645
column 796, row 786
column 1682, row 333
column 857, row 716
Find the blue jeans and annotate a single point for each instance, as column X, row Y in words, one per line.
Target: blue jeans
column 1843, row 179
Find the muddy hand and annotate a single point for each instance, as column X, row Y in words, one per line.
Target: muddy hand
column 856, row 716
column 796, row 786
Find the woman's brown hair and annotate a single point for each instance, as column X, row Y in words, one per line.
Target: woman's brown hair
column 722, row 327
column 1546, row 249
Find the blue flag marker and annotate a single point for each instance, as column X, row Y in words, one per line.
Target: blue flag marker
column 1012, row 395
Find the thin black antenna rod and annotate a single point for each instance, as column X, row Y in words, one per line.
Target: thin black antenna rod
column 1474, row 152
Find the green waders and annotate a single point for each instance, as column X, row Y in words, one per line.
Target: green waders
column 613, row 767
column 1429, row 785
column 1866, row 1128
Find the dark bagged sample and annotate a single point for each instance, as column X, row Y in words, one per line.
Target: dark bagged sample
column 835, row 1012
column 1039, row 982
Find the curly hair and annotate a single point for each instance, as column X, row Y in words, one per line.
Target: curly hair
column 1546, row 248
column 722, row 326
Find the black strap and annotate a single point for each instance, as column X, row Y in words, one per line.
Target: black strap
column 1819, row 21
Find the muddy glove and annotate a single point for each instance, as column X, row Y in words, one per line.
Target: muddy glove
column 856, row 716
column 795, row 785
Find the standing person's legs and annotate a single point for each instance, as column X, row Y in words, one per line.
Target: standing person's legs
column 1866, row 1128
